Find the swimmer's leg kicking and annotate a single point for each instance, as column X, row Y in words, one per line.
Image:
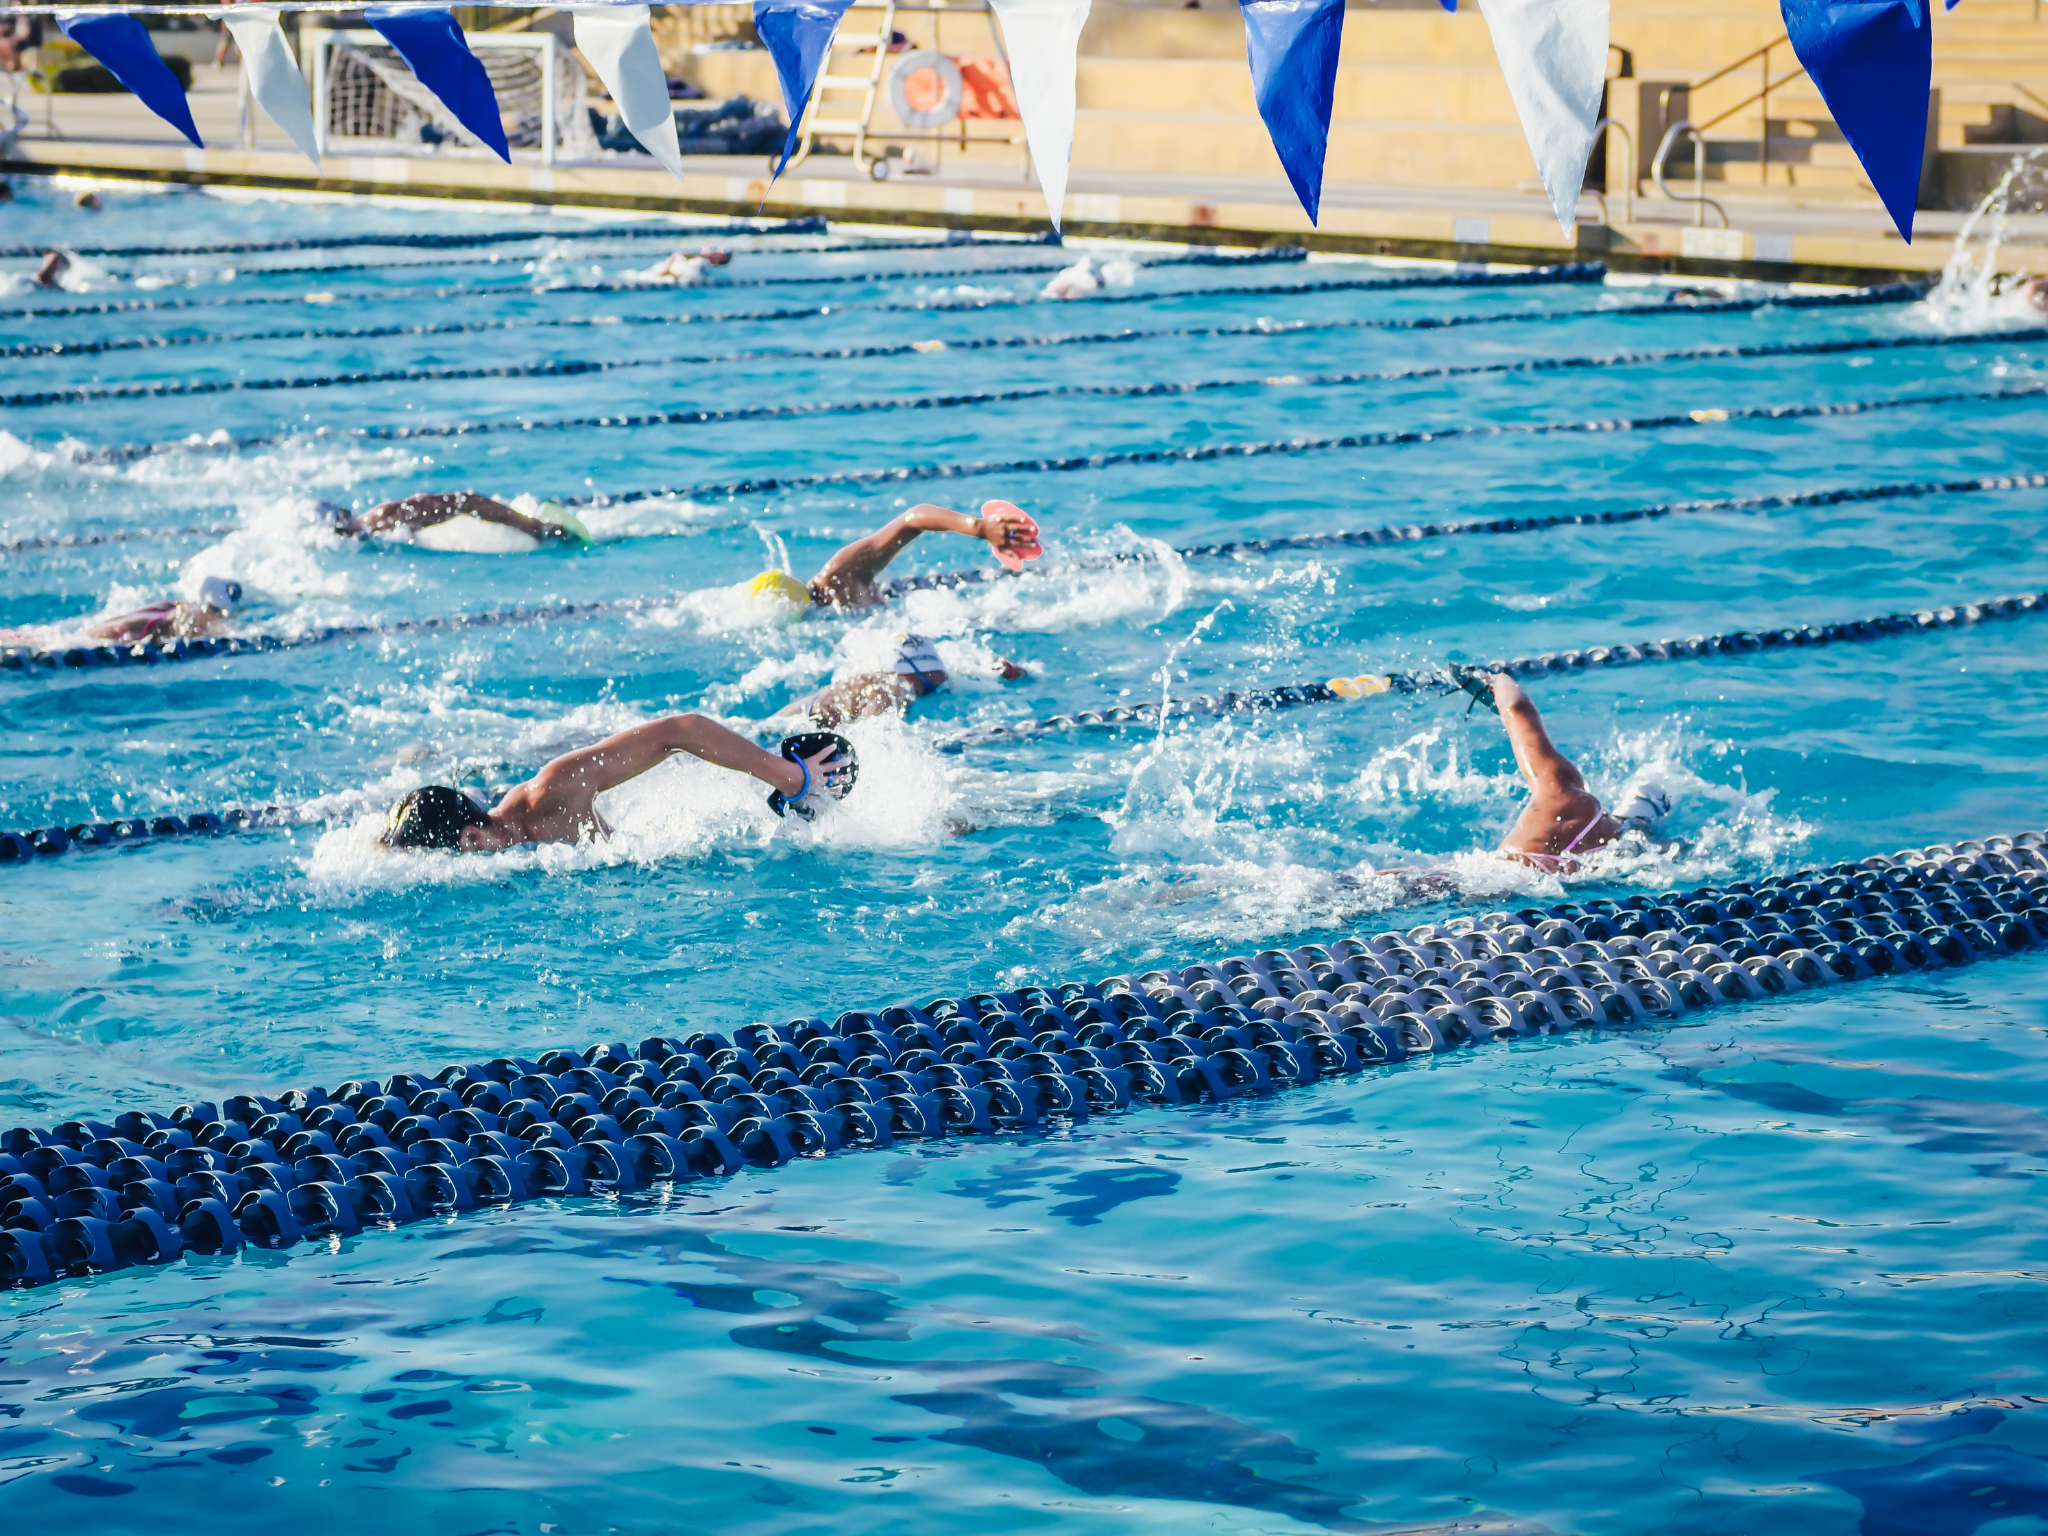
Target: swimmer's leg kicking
column 558, row 804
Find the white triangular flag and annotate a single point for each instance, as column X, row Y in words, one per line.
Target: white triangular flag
column 274, row 78
column 1554, row 54
column 620, row 47
column 1042, row 37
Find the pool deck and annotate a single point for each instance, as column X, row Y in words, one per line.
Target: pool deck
column 1770, row 238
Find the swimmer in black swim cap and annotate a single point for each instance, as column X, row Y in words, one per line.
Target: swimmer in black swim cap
column 557, row 805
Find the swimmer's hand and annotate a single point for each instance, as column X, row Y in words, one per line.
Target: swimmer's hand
column 831, row 770
column 1009, row 671
column 1010, row 532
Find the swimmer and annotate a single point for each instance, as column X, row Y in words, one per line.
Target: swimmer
column 165, row 620
column 2035, row 292
column 1564, row 821
column 558, row 804
column 847, row 580
column 51, row 273
column 916, row 671
column 431, row 510
column 685, row 268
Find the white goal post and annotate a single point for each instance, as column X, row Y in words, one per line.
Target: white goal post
column 365, row 99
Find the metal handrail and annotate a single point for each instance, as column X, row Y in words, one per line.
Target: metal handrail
column 1762, row 95
column 1699, row 198
column 1756, row 53
column 1628, row 184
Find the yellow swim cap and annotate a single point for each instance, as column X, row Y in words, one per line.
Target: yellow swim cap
column 780, row 586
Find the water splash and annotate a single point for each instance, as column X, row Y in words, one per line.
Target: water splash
column 1972, row 293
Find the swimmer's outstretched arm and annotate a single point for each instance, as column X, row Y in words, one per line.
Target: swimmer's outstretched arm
column 431, row 507
column 581, row 775
column 848, row 578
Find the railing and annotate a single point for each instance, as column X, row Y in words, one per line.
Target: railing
column 1699, row 198
column 1628, row 182
column 1763, row 137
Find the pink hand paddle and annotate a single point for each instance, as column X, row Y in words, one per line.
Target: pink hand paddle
column 1013, row 556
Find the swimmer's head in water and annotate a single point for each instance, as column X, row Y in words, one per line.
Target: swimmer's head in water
column 220, row 593
column 780, row 593
column 433, row 817
column 560, row 517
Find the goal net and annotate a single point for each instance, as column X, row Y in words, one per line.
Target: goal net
column 375, row 101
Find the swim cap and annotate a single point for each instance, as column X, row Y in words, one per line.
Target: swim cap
column 915, row 654
column 780, row 587
column 559, row 516
column 1647, row 805
column 839, row 781
column 219, row 592
column 433, row 817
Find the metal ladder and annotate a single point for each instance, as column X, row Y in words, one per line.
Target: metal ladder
column 868, row 86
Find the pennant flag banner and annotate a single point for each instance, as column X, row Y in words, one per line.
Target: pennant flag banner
column 1293, row 46
column 1554, row 55
column 1874, row 65
column 122, row 44
column 431, row 44
column 1043, row 39
column 619, row 44
column 798, row 35
column 274, row 78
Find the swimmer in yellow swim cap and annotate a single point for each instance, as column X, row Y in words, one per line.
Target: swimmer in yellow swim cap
column 847, row 580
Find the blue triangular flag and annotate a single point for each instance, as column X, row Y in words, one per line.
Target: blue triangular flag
column 1449, row 5
column 432, row 46
column 1293, row 47
column 798, row 34
column 1874, row 64
column 122, row 44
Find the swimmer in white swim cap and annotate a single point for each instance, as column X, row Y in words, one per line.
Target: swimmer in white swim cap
column 1564, row 822
column 170, row 618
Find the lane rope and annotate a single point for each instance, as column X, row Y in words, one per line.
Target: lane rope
column 909, row 474
column 809, row 225
column 1574, row 272
column 722, row 282
column 579, row 367
column 1260, row 701
column 19, row 847
column 317, row 1163
column 408, row 432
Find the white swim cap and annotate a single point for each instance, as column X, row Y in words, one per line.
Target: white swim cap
column 219, row 592
column 915, row 654
column 1647, row 805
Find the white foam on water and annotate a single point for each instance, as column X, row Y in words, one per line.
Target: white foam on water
column 1972, row 294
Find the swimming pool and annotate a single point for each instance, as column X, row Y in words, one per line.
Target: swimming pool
column 1771, row 1267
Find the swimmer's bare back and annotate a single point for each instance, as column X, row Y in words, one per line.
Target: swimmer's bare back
column 428, row 509
column 161, row 621
column 557, row 805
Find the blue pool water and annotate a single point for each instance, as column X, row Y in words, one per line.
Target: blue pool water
column 1777, row 1269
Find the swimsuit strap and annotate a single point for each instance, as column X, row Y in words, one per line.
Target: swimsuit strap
column 1553, row 863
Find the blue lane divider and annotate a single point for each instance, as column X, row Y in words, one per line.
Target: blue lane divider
column 910, row 474
column 1400, row 533
column 262, row 1171
column 810, row 225
column 574, row 367
column 409, row 432
column 1292, row 253
column 1336, row 690
column 1575, row 272
column 25, row 847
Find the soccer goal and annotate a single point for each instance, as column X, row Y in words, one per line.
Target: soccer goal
column 366, row 101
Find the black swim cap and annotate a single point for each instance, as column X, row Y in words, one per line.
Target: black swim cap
column 432, row 817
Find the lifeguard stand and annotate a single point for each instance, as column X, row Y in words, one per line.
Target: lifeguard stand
column 855, row 73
